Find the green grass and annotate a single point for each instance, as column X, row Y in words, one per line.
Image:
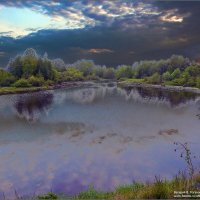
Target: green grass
column 132, row 80
column 50, row 195
column 91, row 193
column 159, row 189
column 14, row 90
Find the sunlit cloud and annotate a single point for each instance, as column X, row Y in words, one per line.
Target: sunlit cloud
column 11, row 30
column 173, row 16
column 66, row 15
column 97, row 51
column 168, row 18
column 24, row 21
column 109, row 11
column 21, row 21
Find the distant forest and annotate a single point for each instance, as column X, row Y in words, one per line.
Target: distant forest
column 32, row 70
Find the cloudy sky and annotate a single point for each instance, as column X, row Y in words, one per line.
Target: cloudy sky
column 106, row 31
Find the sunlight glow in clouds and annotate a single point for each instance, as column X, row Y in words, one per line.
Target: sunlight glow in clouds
column 171, row 16
column 17, row 22
column 19, row 18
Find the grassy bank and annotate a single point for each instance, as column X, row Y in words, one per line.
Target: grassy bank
column 20, row 90
column 159, row 189
column 124, row 83
column 167, row 86
column 14, row 90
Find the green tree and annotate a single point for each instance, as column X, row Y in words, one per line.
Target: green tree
column 176, row 73
column 178, row 61
column 100, row 71
column 87, row 67
column 193, row 70
column 59, row 64
column 29, row 66
column 31, row 53
column 109, row 73
column 124, row 72
column 166, row 76
column 72, row 74
column 191, row 82
column 15, row 67
column 154, row 79
column 6, row 78
column 45, row 69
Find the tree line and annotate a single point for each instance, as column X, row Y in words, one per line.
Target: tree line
column 31, row 70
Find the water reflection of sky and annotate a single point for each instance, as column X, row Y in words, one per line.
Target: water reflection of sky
column 99, row 135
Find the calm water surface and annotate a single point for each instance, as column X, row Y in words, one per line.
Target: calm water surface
column 67, row 139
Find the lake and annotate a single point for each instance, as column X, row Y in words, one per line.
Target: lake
column 100, row 134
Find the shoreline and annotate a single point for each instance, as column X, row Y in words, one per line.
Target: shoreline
column 177, row 188
column 123, row 84
column 161, row 87
column 13, row 90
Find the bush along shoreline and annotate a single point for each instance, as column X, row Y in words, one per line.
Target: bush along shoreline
column 130, row 84
column 29, row 71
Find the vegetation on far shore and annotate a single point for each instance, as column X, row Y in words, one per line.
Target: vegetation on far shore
column 30, row 70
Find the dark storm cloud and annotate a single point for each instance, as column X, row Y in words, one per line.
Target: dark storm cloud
column 115, row 32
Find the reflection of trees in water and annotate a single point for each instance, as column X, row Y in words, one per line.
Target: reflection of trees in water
column 88, row 95
column 30, row 106
column 91, row 94
column 173, row 97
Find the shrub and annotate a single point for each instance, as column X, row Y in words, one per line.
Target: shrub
column 176, row 73
column 49, row 196
column 92, row 77
column 36, row 81
column 91, row 193
column 178, row 82
column 72, row 74
column 7, row 81
column 191, row 82
column 154, row 79
column 22, row 83
column 49, row 83
column 193, row 70
column 166, row 76
column 6, row 78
